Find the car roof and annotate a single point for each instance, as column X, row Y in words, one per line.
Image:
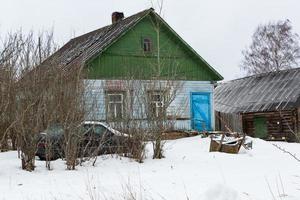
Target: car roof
column 114, row 131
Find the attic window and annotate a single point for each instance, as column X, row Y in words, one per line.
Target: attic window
column 147, row 44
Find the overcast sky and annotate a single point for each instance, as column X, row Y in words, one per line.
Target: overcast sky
column 217, row 29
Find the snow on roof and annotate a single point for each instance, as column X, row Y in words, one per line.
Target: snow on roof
column 271, row 91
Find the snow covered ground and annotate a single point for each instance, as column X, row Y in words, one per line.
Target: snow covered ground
column 189, row 171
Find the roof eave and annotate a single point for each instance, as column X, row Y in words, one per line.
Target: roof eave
column 188, row 46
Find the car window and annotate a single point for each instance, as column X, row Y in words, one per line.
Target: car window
column 99, row 130
column 55, row 130
column 96, row 128
column 86, row 128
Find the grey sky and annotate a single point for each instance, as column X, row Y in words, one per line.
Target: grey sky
column 217, row 29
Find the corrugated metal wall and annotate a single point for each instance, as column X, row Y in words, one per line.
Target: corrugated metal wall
column 179, row 109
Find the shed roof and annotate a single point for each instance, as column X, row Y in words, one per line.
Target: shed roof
column 271, row 91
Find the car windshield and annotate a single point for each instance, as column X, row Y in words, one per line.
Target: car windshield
column 96, row 128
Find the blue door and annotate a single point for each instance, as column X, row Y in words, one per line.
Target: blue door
column 200, row 111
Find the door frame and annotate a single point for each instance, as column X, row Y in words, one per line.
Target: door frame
column 209, row 104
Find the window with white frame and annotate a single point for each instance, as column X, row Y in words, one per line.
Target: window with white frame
column 157, row 106
column 115, row 105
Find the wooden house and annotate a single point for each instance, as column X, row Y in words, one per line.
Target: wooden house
column 265, row 106
column 136, row 48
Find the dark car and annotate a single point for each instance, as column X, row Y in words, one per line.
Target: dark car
column 95, row 138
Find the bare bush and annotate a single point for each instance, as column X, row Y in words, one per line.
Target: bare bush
column 164, row 93
column 20, row 53
column 7, row 106
column 128, row 119
column 9, row 57
column 38, row 96
column 72, row 112
column 147, row 102
column 144, row 116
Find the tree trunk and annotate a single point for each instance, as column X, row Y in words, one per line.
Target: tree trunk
column 28, row 162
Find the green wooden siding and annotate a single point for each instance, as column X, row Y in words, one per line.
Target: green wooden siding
column 126, row 58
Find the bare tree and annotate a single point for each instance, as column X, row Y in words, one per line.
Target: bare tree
column 161, row 122
column 274, row 47
column 72, row 113
column 7, row 105
column 163, row 90
column 9, row 55
column 147, row 115
column 23, row 98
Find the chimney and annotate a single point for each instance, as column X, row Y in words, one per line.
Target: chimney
column 116, row 17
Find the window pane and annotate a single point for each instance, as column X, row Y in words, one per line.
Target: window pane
column 153, row 108
column 118, row 110
column 111, row 110
column 115, row 97
column 147, row 44
column 115, row 110
column 160, row 111
column 156, row 97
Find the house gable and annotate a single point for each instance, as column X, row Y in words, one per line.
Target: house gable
column 125, row 57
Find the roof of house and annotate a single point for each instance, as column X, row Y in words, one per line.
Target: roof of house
column 81, row 49
column 271, row 91
column 78, row 50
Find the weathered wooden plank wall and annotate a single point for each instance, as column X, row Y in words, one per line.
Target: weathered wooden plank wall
column 298, row 123
column 224, row 121
column 179, row 109
column 280, row 124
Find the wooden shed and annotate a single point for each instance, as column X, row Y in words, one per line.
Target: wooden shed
column 266, row 106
